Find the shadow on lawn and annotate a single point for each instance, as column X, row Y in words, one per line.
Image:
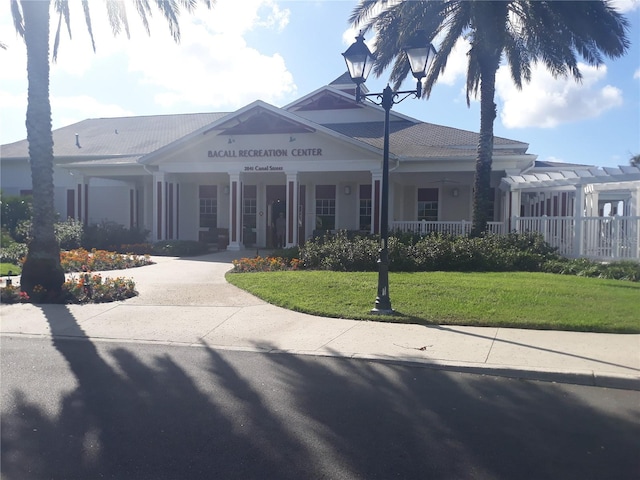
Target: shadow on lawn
column 182, row 413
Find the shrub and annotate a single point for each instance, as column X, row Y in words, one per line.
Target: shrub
column 407, row 252
column 13, row 253
column 111, row 236
column 136, row 248
column 179, row 248
column 13, row 210
column 69, row 233
column 264, row 264
column 622, row 270
column 340, row 252
column 5, row 238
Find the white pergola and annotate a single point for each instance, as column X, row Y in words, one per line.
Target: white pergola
column 568, row 207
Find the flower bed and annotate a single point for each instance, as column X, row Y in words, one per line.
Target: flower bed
column 87, row 288
column 264, row 264
column 81, row 260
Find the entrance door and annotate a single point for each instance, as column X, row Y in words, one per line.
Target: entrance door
column 276, row 204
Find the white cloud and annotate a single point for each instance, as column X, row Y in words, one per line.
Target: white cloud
column 625, row 5
column 636, row 74
column 547, row 102
column 66, row 110
column 456, row 64
column 212, row 67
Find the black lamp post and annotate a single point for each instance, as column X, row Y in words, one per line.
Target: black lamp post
column 359, row 62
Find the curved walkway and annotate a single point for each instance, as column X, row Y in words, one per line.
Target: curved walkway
column 187, row 301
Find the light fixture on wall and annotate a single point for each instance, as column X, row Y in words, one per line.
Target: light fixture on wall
column 347, row 190
column 455, row 192
column 231, row 140
column 226, row 189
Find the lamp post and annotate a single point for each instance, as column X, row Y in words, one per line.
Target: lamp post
column 359, row 62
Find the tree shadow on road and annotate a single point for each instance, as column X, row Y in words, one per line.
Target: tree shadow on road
column 385, row 420
column 159, row 412
column 140, row 417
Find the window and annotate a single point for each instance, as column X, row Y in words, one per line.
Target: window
column 428, row 204
column 249, row 210
column 208, row 206
column 364, row 218
column 325, row 207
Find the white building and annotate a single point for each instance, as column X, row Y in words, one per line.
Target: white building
column 318, row 160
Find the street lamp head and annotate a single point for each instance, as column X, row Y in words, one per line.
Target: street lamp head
column 359, row 60
column 420, row 56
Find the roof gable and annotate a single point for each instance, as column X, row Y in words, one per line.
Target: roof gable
column 258, row 121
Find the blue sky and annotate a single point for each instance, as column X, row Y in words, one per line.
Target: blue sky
column 276, row 51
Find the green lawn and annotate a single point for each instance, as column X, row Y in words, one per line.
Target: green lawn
column 514, row 299
column 6, row 267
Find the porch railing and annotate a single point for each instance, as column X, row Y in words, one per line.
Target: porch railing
column 423, row 227
column 598, row 238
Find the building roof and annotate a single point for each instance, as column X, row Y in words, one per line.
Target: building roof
column 125, row 140
column 117, row 137
column 418, row 140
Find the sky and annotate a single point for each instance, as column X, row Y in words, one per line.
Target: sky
column 277, row 51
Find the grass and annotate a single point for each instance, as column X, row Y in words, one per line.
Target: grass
column 521, row 300
column 6, row 267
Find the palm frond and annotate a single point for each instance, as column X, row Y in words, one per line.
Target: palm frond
column 18, row 20
column 87, row 21
column 61, row 7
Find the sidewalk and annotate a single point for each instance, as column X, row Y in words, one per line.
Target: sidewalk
column 188, row 302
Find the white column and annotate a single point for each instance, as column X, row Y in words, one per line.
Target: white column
column 514, row 205
column 591, row 200
column 235, row 212
column 291, row 234
column 578, row 236
column 376, row 201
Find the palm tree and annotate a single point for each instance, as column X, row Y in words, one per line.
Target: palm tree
column 520, row 32
column 31, row 20
column 635, row 160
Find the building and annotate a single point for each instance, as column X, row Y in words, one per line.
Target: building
column 226, row 177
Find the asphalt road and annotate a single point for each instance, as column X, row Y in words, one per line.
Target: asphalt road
column 72, row 409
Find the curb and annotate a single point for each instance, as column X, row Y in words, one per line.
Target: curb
column 589, row 378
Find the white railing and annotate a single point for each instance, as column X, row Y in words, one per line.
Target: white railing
column 611, row 237
column 598, row 238
column 557, row 231
column 423, row 227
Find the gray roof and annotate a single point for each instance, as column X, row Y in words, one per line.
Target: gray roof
column 411, row 139
column 117, row 137
column 119, row 141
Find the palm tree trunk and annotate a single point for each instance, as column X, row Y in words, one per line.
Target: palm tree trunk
column 42, row 266
column 482, row 182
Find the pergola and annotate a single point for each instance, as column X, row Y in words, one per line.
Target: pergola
column 587, row 211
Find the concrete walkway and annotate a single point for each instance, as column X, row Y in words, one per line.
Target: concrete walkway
column 187, row 301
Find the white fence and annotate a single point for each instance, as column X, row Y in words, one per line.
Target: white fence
column 598, row 238
column 601, row 238
column 423, row 227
